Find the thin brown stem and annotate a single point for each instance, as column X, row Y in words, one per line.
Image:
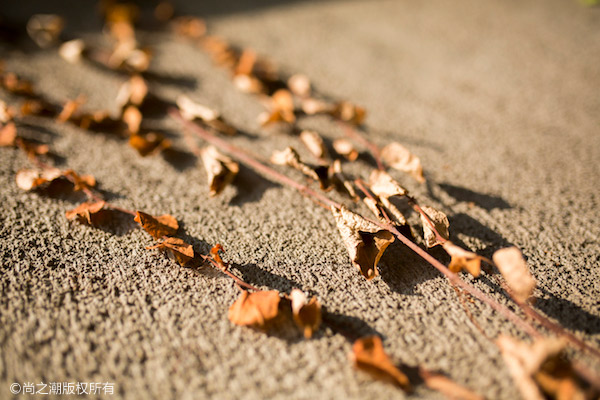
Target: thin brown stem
column 373, row 148
column 239, row 283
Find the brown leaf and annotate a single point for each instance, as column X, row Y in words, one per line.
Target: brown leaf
column 191, row 110
column 448, row 387
column 80, row 182
column 45, row 29
column 340, row 179
column 255, row 309
column 314, row 143
column 7, row 113
column 368, row 356
column 540, row 368
column 8, row 135
column 282, row 108
column 345, row 148
column 190, row 27
column 462, row 259
column 149, row 143
column 307, row 313
column 384, row 187
column 177, row 249
column 32, row 149
column 29, row 179
column 37, row 107
column 513, row 267
column 72, row 50
column 364, row 240
column 69, row 110
column 90, row 213
column 299, row 85
column 440, row 222
column 220, row 169
column 246, row 62
column 398, row 157
column 133, row 118
column 249, row 84
column 290, row 157
column 133, row 91
column 157, row 227
column 16, row 85
column 349, row 112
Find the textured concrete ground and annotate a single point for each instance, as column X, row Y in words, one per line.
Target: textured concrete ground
column 500, row 99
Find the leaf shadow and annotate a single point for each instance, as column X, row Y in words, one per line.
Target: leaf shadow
column 352, row 328
column 483, row 200
column 179, row 159
column 467, row 225
column 256, row 276
column 250, row 186
column 570, row 315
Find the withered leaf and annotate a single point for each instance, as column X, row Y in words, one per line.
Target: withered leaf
column 157, row 227
column 513, row 267
column 290, row 157
column 440, row 222
column 6, row 113
column 540, row 368
column 29, row 179
column 314, row 143
column 282, row 108
column 299, row 85
column 220, row 169
column 37, row 107
column 80, row 182
column 345, row 148
column 307, row 313
column 368, row 356
column 149, row 143
column 72, row 50
column 32, row 149
column 246, row 62
column 384, row 187
column 462, row 259
column 69, row 110
column 398, row 157
column 45, row 29
column 90, row 213
column 191, row 110
column 8, row 135
column 341, row 180
column 190, row 27
column 177, row 249
column 133, row 118
column 248, row 84
column 16, row 85
column 133, row 91
column 448, row 387
column 349, row 112
column 255, row 309
column 364, row 240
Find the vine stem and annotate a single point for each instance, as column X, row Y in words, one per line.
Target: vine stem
column 357, row 137
column 454, row 278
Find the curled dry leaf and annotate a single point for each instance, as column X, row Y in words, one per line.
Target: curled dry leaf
column 349, row 112
column 255, row 309
column 384, row 187
column 6, row 113
column 220, row 169
column 177, row 249
column 462, row 259
column 311, row 106
column 447, row 386
column 398, row 157
column 8, row 135
column 345, row 148
column 29, row 179
column 80, row 182
column 190, row 27
column 45, row 29
column 191, row 110
column 133, row 118
column 441, row 224
column 16, row 85
column 69, row 110
column 249, row 84
column 157, row 227
column 368, row 356
column 246, row 63
column 90, row 213
column 299, row 85
column 72, row 50
column 307, row 313
column 364, row 240
column 133, row 91
column 282, row 108
column 540, row 368
column 314, row 143
column 290, row 157
column 32, row 149
column 38, row 107
column 149, row 143
column 340, row 179
column 513, row 267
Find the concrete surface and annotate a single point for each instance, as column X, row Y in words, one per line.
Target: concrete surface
column 500, row 99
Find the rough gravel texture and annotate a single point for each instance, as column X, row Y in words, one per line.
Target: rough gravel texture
column 499, row 99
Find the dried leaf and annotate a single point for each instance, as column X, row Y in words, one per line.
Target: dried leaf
column 364, row 240
column 448, row 387
column 440, row 222
column 133, row 91
column 540, row 367
column 72, row 50
column 8, row 135
column 307, row 313
column 282, row 109
column 255, row 309
column 157, row 227
column 191, row 110
column 221, row 170
column 248, row 84
column 190, row 27
column 29, row 179
column 290, row 157
column 299, row 85
column 314, row 143
column 462, row 259
column 133, row 118
column 37, row 107
column 68, row 112
column 246, row 62
column 398, row 157
column 177, row 249
column 349, row 112
column 32, row 149
column 90, row 213
column 384, row 187
column 513, row 267
column 368, row 356
column 345, row 148
column 14, row 84
column 80, row 182
column 149, row 143
column 45, row 29
column 340, row 179
column 6, row 113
